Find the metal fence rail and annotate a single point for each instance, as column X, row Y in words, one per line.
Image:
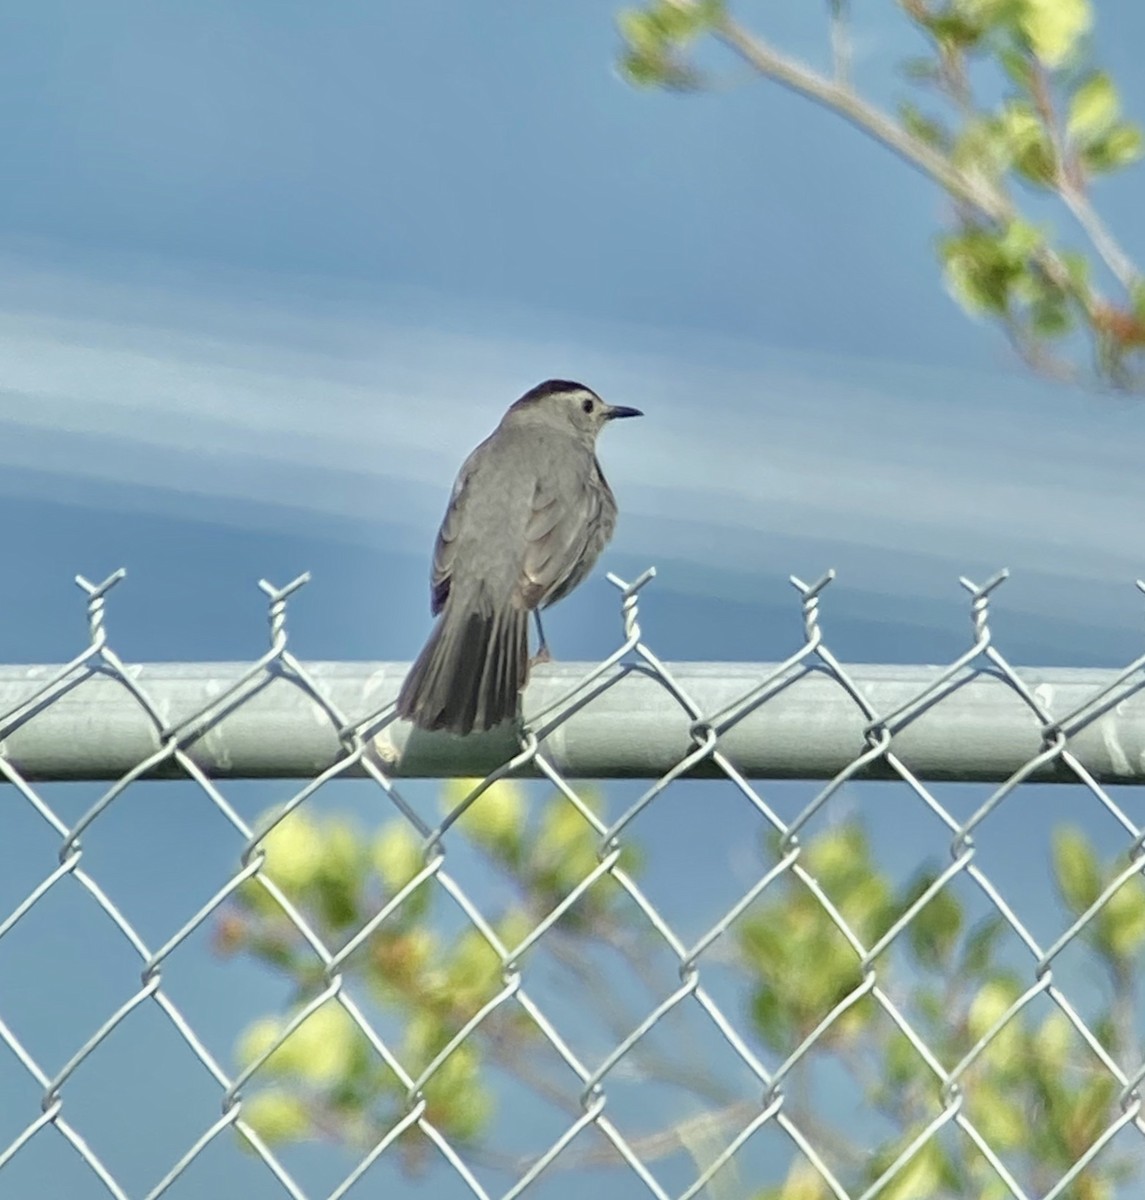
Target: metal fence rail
column 629, row 717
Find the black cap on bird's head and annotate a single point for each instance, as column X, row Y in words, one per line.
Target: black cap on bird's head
column 552, row 387
column 577, row 396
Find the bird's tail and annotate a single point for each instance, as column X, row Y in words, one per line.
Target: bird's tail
column 472, row 669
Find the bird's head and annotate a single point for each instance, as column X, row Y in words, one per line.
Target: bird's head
column 561, row 403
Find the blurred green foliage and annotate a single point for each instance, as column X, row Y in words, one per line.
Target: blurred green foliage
column 1035, row 1092
column 1005, row 110
column 322, row 1078
column 1033, row 1088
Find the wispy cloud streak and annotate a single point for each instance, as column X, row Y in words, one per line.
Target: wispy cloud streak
column 330, row 406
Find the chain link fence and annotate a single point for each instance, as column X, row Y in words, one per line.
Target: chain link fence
column 791, row 1016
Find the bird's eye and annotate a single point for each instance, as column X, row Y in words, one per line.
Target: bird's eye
column 586, row 405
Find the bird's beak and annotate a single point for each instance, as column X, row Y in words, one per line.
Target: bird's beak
column 618, row 410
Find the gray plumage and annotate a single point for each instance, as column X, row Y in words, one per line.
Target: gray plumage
column 529, row 515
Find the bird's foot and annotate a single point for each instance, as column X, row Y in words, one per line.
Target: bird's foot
column 541, row 656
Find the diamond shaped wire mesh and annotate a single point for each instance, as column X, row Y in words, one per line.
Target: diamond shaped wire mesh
column 781, row 1108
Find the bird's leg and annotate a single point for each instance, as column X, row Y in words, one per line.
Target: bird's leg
column 542, row 655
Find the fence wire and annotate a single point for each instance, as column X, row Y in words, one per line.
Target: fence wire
column 366, row 749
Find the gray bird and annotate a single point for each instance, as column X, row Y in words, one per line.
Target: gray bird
column 529, row 515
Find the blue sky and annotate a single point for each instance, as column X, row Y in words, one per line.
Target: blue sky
column 269, row 270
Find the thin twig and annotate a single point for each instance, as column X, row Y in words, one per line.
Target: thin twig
column 1070, row 186
column 1106, row 245
column 865, row 116
column 840, row 41
column 988, row 201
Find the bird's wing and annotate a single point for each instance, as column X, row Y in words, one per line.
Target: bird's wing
column 570, row 520
column 443, row 549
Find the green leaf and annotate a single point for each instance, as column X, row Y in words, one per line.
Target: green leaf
column 1018, row 67
column 1121, row 146
column 997, row 1114
column 772, row 1018
column 854, row 1025
column 338, row 884
column 643, row 70
column 1053, row 1042
column 638, row 30
column 647, row 62
column 397, row 855
column 968, row 287
column 902, row 1065
column 1020, row 240
column 1121, row 923
column 276, row 1116
column 993, row 1000
column 1137, row 294
column 1075, row 869
column 294, row 852
column 925, row 128
column 321, row 1049
column 1124, row 144
column 565, row 846
column 923, row 1175
column 983, row 266
column 258, row 1038
column 831, row 975
column 457, row 1098
column 681, row 22
column 995, row 1189
column 1054, row 27
column 1093, row 108
column 999, row 15
column 933, row 1005
column 1027, row 143
column 803, row 1182
column 1091, row 1109
column 838, row 857
column 495, row 819
column 1051, row 315
column 1077, row 267
column 984, row 148
column 865, row 904
column 474, row 972
column 954, row 31
column 978, row 953
column 324, row 1046
column 935, row 928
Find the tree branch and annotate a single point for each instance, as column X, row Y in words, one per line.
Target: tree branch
column 1070, row 187
column 989, row 202
column 869, row 119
